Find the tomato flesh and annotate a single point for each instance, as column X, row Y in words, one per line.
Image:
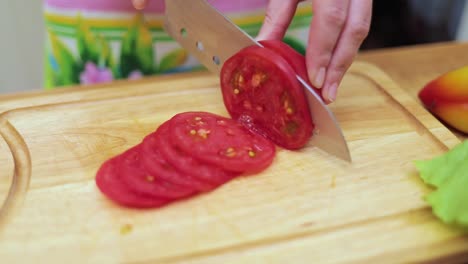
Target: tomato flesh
column 261, row 91
column 157, row 164
column 220, row 141
column 294, row 58
column 138, row 179
column 109, row 182
column 188, row 164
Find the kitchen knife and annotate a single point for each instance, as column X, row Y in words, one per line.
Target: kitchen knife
column 212, row 38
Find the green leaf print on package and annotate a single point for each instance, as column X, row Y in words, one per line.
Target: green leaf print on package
column 137, row 50
column 172, row 60
column 87, row 46
column 97, row 64
column 65, row 72
column 92, row 47
column 295, row 44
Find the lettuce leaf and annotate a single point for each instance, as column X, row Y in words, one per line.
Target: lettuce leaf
column 448, row 173
column 437, row 170
column 450, row 201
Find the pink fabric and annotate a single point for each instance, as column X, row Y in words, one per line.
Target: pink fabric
column 154, row 6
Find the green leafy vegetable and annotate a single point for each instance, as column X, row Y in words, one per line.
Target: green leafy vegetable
column 448, row 173
column 436, row 171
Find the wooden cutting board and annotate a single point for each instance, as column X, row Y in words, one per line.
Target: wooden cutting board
column 307, row 207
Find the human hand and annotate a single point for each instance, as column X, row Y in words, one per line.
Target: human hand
column 139, row 4
column 337, row 30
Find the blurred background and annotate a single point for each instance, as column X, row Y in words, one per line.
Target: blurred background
column 395, row 23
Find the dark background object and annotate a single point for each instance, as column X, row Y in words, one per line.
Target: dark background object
column 409, row 22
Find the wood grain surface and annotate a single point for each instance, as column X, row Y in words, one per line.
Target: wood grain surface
column 307, row 207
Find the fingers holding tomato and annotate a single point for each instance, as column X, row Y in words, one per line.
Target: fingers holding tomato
column 337, row 31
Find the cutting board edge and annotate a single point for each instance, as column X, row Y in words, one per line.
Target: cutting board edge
column 76, row 93
column 21, row 175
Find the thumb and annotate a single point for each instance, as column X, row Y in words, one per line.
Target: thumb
column 139, row 4
column 279, row 14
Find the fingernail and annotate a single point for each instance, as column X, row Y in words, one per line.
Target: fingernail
column 319, row 78
column 138, row 4
column 332, row 92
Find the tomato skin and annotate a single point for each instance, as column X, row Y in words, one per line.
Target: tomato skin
column 140, row 181
column 294, row 58
column 158, row 164
column 187, row 164
column 261, row 91
column 109, row 182
column 221, row 142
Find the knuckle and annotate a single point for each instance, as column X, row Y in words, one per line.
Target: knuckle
column 273, row 21
column 335, row 16
column 273, row 26
column 341, row 68
column 359, row 31
column 269, row 19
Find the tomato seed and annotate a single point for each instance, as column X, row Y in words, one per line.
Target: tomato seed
column 150, row 178
column 229, row 132
column 203, row 133
column 238, row 80
column 230, row 152
column 257, row 79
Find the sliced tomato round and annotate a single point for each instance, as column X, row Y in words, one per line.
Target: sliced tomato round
column 260, row 90
column 109, row 182
column 220, row 141
column 157, row 164
column 139, row 180
column 188, row 164
column 294, row 58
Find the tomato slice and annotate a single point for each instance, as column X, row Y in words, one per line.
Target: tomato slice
column 109, row 182
column 220, row 141
column 157, row 164
column 294, row 58
column 261, row 91
column 139, row 180
column 188, row 164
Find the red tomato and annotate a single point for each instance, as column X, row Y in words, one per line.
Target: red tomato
column 157, row 164
column 294, row 58
column 220, row 141
column 139, row 180
column 260, row 90
column 109, row 181
column 187, row 164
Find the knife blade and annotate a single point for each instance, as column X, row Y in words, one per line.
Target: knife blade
column 212, row 38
